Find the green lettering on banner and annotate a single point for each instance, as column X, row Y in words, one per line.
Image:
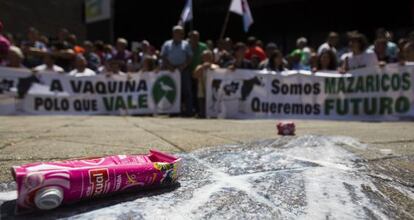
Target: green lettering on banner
column 341, row 85
column 119, row 103
column 377, row 83
column 108, row 103
column 342, row 109
column 329, row 105
column 359, row 87
column 330, row 85
column 370, row 109
column 385, row 86
column 395, row 82
column 143, row 101
column 350, row 88
column 406, row 81
column 402, row 105
column 385, row 105
column 131, row 104
column 369, row 83
column 355, row 104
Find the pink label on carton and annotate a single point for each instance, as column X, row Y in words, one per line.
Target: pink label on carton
column 92, row 177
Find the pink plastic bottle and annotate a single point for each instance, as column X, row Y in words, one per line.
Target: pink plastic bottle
column 47, row 185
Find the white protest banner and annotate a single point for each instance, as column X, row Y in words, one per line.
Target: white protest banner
column 371, row 94
column 21, row 92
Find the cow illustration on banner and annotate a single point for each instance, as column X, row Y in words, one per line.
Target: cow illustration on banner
column 232, row 90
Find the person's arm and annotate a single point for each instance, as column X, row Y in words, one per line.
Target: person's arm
column 344, row 67
column 231, row 65
column 34, row 51
column 64, row 54
column 165, row 62
column 189, row 54
column 198, row 72
column 186, row 64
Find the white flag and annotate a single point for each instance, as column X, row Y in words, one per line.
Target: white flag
column 187, row 14
column 242, row 8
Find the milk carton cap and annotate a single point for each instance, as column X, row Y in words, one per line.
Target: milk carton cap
column 48, row 198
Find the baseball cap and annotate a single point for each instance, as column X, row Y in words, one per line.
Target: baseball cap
column 178, row 28
column 271, row 46
column 122, row 40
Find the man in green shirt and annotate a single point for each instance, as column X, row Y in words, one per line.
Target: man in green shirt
column 198, row 49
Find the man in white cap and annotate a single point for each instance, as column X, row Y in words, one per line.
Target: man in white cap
column 122, row 53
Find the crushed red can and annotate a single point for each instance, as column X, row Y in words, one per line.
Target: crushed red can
column 47, row 185
column 286, row 128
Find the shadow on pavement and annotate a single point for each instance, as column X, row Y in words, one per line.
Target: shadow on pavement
column 65, row 211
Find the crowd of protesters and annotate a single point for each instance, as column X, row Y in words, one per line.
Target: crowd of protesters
column 193, row 58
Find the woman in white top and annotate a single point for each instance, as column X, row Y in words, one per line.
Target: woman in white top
column 49, row 65
column 80, row 68
column 359, row 57
column 113, row 68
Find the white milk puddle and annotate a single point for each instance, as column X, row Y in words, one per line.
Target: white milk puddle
column 309, row 177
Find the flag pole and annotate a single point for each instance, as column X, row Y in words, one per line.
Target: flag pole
column 224, row 27
column 192, row 16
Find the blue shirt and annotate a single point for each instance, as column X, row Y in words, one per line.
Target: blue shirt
column 176, row 53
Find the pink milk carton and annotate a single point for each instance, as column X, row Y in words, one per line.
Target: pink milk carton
column 47, row 185
column 286, row 128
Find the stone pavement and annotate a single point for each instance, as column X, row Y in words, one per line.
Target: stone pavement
column 331, row 169
column 27, row 138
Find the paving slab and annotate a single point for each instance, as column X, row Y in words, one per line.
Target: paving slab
column 234, row 168
column 304, row 177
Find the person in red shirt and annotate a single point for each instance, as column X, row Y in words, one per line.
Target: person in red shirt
column 73, row 41
column 254, row 50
